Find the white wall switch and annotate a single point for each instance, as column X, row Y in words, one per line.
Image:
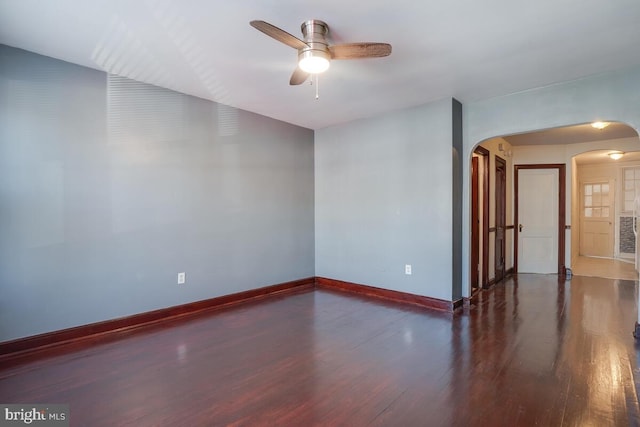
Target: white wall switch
column 407, row 269
column 182, row 278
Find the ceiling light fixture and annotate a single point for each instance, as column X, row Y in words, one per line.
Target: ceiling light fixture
column 600, row 125
column 313, row 61
column 314, row 50
column 616, row 155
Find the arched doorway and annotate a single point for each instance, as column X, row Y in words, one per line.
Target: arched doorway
column 555, row 147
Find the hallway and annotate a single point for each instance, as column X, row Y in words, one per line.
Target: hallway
column 604, row 267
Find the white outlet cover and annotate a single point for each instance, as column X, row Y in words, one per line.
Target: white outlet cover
column 181, row 278
column 407, row 269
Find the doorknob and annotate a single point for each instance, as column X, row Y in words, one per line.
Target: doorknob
column 520, row 228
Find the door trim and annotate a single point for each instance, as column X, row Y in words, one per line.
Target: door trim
column 481, row 151
column 561, row 211
column 475, row 225
column 500, row 220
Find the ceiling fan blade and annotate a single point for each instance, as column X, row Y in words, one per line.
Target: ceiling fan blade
column 278, row 34
column 359, row 50
column 298, row 77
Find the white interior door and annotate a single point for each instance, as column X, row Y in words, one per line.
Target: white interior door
column 596, row 214
column 538, row 195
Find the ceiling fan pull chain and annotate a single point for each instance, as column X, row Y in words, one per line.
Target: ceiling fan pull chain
column 317, row 95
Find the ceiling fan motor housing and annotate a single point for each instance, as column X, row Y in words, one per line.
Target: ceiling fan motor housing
column 315, row 35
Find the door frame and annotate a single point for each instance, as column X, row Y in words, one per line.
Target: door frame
column 500, row 220
column 475, row 225
column 484, row 279
column 561, row 211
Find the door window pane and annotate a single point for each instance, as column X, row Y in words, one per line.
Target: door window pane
column 596, row 200
column 631, row 184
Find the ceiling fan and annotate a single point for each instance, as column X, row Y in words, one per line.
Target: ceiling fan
column 315, row 52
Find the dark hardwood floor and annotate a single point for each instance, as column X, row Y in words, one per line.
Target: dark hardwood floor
column 532, row 351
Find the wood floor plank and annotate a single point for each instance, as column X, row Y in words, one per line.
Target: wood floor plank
column 531, row 351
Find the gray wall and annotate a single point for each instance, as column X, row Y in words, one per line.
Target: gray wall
column 110, row 187
column 613, row 96
column 384, row 199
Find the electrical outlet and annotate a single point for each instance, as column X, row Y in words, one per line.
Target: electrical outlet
column 407, row 269
column 182, row 278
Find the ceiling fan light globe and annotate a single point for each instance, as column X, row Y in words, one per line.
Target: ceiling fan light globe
column 313, row 63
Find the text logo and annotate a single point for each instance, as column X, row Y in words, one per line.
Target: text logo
column 34, row 415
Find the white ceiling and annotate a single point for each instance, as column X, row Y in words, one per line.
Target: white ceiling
column 466, row 49
column 602, row 156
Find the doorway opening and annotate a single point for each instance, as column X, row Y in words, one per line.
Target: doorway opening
column 479, row 219
column 606, row 213
column 558, row 146
column 491, row 209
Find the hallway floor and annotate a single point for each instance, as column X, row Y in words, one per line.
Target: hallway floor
column 604, row 267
